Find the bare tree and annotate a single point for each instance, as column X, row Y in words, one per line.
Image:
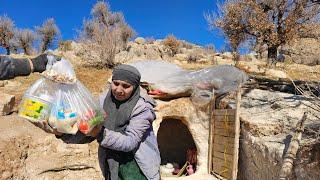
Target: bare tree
column 105, row 34
column 270, row 22
column 6, row 32
column 49, row 33
column 172, row 44
column 101, row 12
column 25, row 39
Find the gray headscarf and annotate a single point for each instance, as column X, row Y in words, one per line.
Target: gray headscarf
column 119, row 112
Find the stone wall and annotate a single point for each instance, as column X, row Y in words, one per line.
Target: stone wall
column 268, row 122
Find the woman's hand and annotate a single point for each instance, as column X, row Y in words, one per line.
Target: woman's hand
column 47, row 128
column 95, row 131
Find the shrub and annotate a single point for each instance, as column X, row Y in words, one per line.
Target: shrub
column 172, row 43
column 65, row 45
column 192, row 58
column 105, row 34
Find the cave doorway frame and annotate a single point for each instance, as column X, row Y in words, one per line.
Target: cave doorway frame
column 224, row 133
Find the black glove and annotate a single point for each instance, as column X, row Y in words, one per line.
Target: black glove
column 40, row 62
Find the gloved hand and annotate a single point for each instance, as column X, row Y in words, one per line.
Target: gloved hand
column 43, row 60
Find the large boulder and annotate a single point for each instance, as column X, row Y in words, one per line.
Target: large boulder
column 3, row 83
column 268, row 122
column 140, row 40
column 276, row 74
column 6, row 104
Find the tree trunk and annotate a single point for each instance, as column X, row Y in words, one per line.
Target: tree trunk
column 272, row 55
column 8, row 50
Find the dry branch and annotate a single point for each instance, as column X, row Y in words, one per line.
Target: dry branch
column 284, row 85
column 290, row 155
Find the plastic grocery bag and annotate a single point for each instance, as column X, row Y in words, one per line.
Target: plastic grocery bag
column 37, row 102
column 75, row 105
column 62, row 101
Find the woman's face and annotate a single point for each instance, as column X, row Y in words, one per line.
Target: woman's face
column 121, row 90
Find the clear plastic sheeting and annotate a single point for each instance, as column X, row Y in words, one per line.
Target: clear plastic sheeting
column 66, row 107
column 166, row 79
column 153, row 71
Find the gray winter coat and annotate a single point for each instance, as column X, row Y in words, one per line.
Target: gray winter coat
column 139, row 138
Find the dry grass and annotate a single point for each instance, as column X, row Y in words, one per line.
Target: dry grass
column 94, row 79
column 303, row 72
column 196, row 66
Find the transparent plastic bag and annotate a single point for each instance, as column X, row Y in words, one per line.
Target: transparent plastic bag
column 60, row 72
column 37, row 101
column 74, row 109
column 62, row 101
column 64, row 115
column 165, row 79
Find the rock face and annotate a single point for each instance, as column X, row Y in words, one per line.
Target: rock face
column 26, row 152
column 7, row 102
column 268, row 120
column 275, row 73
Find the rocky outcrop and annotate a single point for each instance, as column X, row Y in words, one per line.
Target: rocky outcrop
column 7, row 102
column 27, row 152
column 268, row 120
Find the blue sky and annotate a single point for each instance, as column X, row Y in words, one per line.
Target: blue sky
column 149, row 18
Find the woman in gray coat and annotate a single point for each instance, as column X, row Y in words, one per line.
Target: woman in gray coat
column 128, row 147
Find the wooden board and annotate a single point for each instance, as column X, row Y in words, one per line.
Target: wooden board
column 222, row 112
column 224, row 125
column 229, row 132
column 224, row 141
column 227, row 148
column 223, row 171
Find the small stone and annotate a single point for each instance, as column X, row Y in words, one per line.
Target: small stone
column 7, row 102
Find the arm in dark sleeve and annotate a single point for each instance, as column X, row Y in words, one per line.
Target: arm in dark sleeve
column 11, row 68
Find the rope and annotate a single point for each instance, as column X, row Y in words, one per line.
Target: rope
column 226, row 128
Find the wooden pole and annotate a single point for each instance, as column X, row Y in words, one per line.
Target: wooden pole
column 210, row 145
column 291, row 153
column 237, row 135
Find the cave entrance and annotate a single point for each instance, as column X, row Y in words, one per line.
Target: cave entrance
column 174, row 140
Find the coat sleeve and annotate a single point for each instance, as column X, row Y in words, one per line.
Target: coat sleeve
column 139, row 126
column 10, row 67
